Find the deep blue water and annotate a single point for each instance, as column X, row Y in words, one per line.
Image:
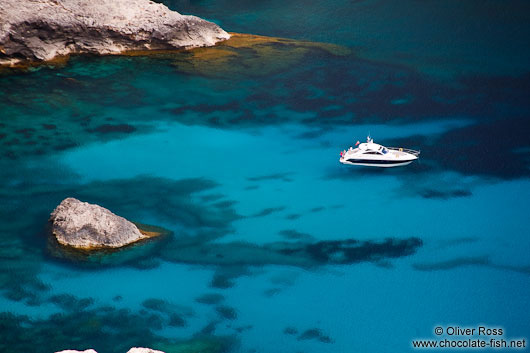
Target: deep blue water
column 240, row 162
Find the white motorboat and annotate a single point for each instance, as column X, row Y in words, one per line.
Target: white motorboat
column 375, row 155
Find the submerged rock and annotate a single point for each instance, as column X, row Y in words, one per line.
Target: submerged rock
column 87, row 226
column 245, row 55
column 44, row 29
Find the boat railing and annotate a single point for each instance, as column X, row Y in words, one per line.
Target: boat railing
column 400, row 149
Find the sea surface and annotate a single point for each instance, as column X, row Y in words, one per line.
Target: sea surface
column 275, row 245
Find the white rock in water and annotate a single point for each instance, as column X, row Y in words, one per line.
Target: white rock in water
column 142, row 350
column 43, row 29
column 87, row 226
column 132, row 350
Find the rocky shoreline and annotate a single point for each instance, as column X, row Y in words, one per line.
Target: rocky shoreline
column 36, row 31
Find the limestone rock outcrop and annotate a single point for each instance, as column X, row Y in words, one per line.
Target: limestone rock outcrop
column 37, row 30
column 87, row 226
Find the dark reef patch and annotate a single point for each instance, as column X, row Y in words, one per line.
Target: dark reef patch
column 290, row 330
column 162, row 306
column 66, row 108
column 84, row 329
column 226, row 312
column 453, row 263
column 240, row 329
column 209, row 108
column 293, row 216
column 271, row 292
column 211, row 197
column 293, row 234
column 117, row 298
column 19, row 266
column 156, row 305
column 49, row 126
column 314, row 334
column 482, row 261
column 317, row 209
column 113, row 128
column 209, row 329
column 351, row 251
column 69, row 302
column 444, row 195
column 210, row 299
column 234, row 257
column 176, row 320
column 224, row 277
column 268, row 211
column 221, row 282
column 167, row 313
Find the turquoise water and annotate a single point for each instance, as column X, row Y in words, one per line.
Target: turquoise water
column 243, row 169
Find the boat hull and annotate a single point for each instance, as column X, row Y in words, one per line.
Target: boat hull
column 376, row 163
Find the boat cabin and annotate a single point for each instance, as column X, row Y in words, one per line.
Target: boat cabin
column 371, row 148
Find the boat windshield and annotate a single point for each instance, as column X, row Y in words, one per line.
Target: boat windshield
column 385, row 151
